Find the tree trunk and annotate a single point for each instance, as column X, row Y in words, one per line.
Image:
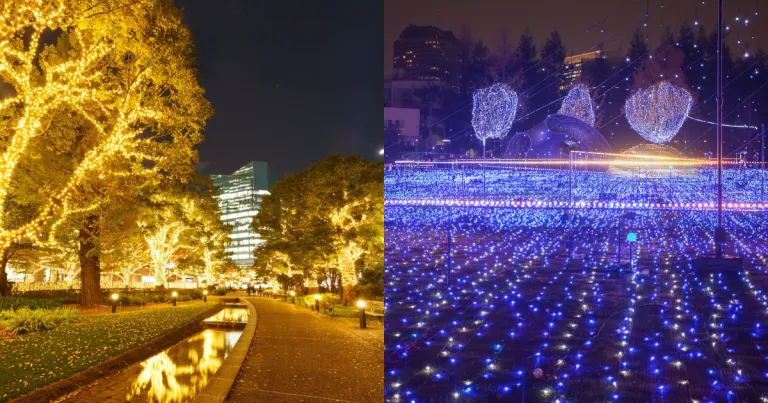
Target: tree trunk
column 90, row 272
column 4, row 291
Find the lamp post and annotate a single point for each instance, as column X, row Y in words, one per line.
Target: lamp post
column 719, row 231
column 205, row 295
column 114, row 302
column 631, row 238
column 317, row 302
column 174, row 295
column 361, row 305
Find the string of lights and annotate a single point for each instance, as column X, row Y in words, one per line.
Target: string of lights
column 493, row 111
column 658, row 112
column 578, row 104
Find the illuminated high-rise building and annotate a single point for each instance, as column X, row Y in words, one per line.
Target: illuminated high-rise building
column 574, row 66
column 239, row 200
column 426, row 53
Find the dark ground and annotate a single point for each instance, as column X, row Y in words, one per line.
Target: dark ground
column 300, row 356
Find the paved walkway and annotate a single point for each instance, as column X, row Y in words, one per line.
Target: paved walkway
column 300, row 356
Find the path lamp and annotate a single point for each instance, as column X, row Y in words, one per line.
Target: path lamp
column 174, row 295
column 631, row 238
column 361, row 304
column 293, row 296
column 205, row 295
column 317, row 302
column 114, row 302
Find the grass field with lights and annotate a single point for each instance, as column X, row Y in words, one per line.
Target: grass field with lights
column 538, row 307
column 33, row 360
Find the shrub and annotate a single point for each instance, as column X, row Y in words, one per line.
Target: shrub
column 25, row 320
column 370, row 291
column 330, row 299
column 13, row 303
column 194, row 294
column 220, row 291
column 61, row 296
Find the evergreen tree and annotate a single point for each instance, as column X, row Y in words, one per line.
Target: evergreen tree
column 637, row 54
column 552, row 61
column 527, row 81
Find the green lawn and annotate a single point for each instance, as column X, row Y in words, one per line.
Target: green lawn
column 37, row 359
column 345, row 311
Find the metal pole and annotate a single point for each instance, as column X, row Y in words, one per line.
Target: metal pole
column 363, row 325
column 719, row 140
column 618, row 240
column 570, row 181
column 449, row 259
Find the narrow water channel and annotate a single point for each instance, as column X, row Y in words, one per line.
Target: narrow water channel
column 177, row 374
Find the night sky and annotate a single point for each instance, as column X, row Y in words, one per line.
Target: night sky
column 577, row 21
column 290, row 81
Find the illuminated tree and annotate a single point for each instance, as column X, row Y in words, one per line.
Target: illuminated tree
column 327, row 217
column 578, row 104
column 163, row 233
column 126, row 257
column 63, row 257
column 209, row 236
column 111, row 91
column 493, row 111
column 658, row 112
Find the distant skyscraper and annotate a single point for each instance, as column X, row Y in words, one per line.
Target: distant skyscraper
column 574, row 65
column 239, row 200
column 426, row 53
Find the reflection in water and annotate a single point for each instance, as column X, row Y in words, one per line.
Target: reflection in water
column 230, row 315
column 179, row 373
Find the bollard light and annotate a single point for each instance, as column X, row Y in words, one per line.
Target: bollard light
column 205, row 295
column 175, row 295
column 317, row 302
column 114, row 302
column 293, row 296
column 361, row 304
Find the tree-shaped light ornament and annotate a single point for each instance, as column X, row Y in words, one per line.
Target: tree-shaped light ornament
column 578, row 104
column 493, row 111
column 658, row 112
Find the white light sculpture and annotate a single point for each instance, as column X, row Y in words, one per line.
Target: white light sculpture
column 578, row 104
column 658, row 112
column 493, row 111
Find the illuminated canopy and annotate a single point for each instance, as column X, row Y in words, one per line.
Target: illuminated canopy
column 493, row 111
column 658, row 112
column 578, row 104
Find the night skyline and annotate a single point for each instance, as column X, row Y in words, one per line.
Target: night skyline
column 579, row 23
column 289, row 85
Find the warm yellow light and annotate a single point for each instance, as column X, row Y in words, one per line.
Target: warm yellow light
column 205, row 292
column 175, row 294
column 293, row 293
column 361, row 304
column 318, row 297
column 115, row 297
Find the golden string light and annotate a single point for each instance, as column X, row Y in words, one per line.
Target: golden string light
column 116, row 113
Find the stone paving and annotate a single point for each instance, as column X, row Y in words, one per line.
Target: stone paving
column 300, row 356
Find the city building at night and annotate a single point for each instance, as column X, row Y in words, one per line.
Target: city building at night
column 426, row 53
column 405, row 122
column 239, row 199
column 574, row 65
